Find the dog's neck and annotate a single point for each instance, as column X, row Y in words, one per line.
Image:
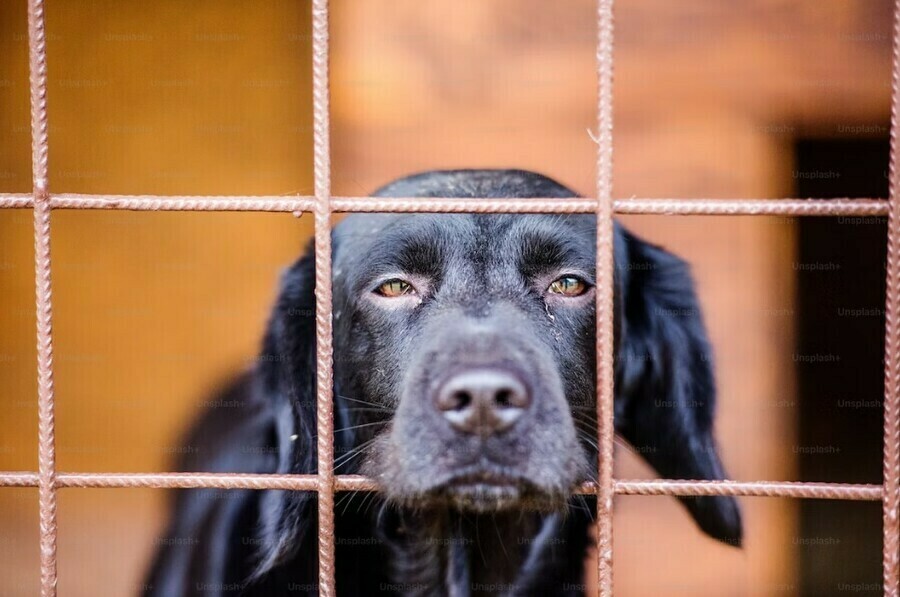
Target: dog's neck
column 445, row 552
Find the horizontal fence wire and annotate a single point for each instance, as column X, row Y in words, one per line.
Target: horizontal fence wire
column 659, row 487
column 307, row 204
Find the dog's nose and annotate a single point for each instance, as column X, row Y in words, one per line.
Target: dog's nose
column 483, row 401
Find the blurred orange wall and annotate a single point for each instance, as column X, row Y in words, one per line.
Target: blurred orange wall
column 153, row 310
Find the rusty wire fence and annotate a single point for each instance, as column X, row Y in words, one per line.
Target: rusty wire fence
column 49, row 480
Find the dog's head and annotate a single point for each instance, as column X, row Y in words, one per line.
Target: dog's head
column 465, row 355
column 475, row 335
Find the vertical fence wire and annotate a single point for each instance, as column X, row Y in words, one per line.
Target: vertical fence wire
column 324, row 346
column 604, row 297
column 37, row 49
column 891, row 473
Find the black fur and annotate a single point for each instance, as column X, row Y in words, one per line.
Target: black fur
column 481, row 301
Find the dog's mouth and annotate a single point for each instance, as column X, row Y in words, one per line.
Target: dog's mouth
column 487, row 491
column 483, row 491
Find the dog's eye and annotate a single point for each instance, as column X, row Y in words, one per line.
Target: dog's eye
column 568, row 286
column 394, row 288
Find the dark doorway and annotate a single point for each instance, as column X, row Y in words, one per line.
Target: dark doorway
column 840, row 344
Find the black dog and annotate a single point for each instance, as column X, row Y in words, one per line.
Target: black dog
column 464, row 384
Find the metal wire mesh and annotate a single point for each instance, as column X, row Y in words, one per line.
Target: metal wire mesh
column 49, row 480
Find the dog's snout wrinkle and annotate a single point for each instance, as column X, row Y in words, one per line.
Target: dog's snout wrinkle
column 483, row 401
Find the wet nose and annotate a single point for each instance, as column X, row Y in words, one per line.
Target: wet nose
column 483, row 401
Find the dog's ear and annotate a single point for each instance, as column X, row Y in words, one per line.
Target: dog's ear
column 664, row 376
column 286, row 375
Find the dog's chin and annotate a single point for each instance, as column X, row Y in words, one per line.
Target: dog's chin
column 483, row 488
column 482, row 494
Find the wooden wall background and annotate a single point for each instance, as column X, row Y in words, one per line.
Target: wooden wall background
column 153, row 310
